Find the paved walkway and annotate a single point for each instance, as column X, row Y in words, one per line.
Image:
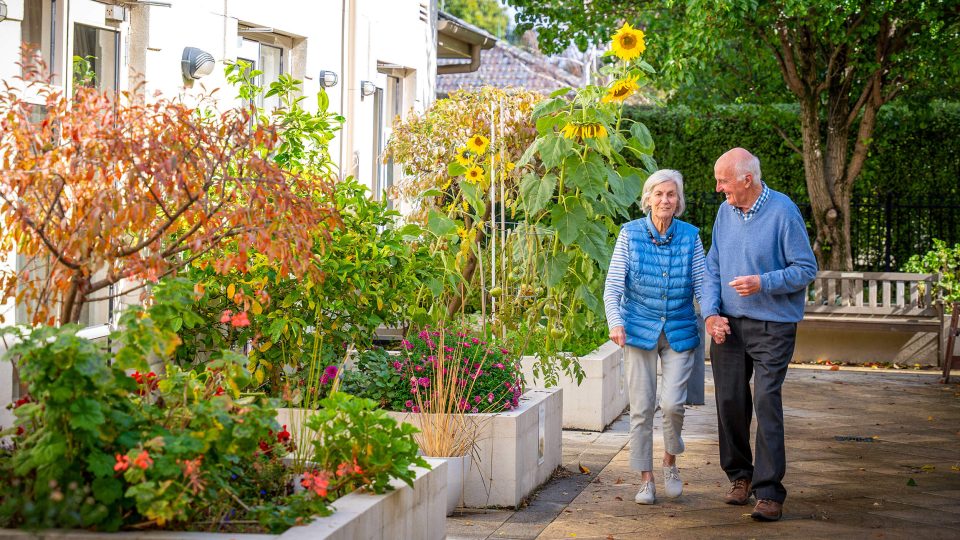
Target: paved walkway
column 905, row 483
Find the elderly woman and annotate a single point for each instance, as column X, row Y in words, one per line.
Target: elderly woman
column 655, row 272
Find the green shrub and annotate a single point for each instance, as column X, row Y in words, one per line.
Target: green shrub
column 945, row 261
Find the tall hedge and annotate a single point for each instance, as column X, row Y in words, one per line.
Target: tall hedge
column 914, row 152
column 910, row 184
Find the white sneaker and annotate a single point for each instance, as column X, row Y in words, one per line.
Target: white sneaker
column 671, row 482
column 647, row 493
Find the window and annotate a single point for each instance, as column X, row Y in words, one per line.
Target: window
column 38, row 29
column 96, row 62
column 269, row 60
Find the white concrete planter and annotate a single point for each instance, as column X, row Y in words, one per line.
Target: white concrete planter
column 515, row 451
column 602, row 395
column 457, row 470
column 405, row 512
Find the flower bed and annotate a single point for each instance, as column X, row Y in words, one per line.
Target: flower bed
column 516, row 451
column 601, row 396
column 405, row 512
column 101, row 443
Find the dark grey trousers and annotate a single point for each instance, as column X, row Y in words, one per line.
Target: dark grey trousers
column 763, row 350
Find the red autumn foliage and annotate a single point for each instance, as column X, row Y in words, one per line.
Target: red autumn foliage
column 99, row 190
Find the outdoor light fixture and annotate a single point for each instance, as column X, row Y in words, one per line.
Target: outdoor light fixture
column 3, row 10
column 196, row 63
column 367, row 88
column 328, row 79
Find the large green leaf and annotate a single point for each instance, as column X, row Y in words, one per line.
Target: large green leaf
column 641, row 136
column 590, row 299
column 557, row 266
column 439, row 224
column 568, row 221
column 536, row 191
column 590, row 175
column 554, row 149
column 456, row 169
column 593, row 242
column 474, row 197
column 529, row 153
column 549, row 106
column 86, row 414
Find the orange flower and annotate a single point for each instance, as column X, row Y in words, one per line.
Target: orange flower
column 123, row 463
column 143, row 460
column 316, row 481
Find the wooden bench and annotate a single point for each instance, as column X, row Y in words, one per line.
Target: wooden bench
column 875, row 301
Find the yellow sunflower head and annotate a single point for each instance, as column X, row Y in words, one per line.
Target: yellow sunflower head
column 628, row 42
column 585, row 130
column 478, row 144
column 474, row 174
column 464, row 157
column 621, row 90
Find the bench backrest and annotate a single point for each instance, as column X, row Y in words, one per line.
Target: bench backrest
column 873, row 293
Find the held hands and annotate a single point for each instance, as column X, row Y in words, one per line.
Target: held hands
column 746, row 285
column 618, row 336
column 718, row 327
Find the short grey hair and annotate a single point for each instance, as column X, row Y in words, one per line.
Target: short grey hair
column 657, row 178
column 745, row 166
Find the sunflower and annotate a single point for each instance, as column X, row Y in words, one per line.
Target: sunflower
column 628, row 42
column 478, row 144
column 588, row 130
column 463, row 156
column 621, row 90
column 474, row 174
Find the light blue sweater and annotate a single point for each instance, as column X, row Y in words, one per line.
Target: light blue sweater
column 774, row 245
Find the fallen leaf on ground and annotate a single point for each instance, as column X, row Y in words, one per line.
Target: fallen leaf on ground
column 928, row 468
column 583, row 469
column 834, row 368
column 911, row 482
column 619, row 498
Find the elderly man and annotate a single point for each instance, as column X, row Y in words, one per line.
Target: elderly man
column 757, row 271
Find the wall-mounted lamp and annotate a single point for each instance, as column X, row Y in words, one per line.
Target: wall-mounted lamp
column 196, row 63
column 3, row 10
column 328, row 79
column 367, row 88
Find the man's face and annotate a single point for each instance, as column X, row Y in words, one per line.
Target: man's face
column 736, row 191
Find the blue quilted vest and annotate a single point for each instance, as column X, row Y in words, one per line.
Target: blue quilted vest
column 658, row 296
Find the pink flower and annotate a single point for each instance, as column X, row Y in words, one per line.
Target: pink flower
column 406, row 344
column 476, row 399
column 409, row 403
column 415, row 409
column 329, row 373
column 397, row 366
column 123, row 463
column 418, row 368
column 504, row 351
column 240, row 320
column 475, row 341
column 498, row 365
column 424, row 382
column 226, row 316
column 490, row 397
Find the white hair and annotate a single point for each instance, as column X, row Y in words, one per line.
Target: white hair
column 657, row 178
column 749, row 165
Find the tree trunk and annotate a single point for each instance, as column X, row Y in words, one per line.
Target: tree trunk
column 829, row 200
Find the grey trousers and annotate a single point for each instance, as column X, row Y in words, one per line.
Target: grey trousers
column 641, row 367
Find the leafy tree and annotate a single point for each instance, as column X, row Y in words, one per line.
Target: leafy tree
column 99, row 190
column 486, row 14
column 839, row 61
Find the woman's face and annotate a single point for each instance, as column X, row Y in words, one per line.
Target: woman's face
column 664, row 200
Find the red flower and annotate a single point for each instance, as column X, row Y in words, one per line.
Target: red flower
column 264, row 446
column 225, row 316
column 219, row 391
column 284, row 435
column 316, row 482
column 22, row 401
column 240, row 319
column 143, row 460
column 123, row 463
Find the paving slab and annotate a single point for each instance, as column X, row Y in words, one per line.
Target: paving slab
column 904, row 482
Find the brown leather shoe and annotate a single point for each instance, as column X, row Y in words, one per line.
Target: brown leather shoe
column 739, row 493
column 767, row 510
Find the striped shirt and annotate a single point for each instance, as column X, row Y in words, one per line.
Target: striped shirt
column 617, row 278
column 752, row 211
